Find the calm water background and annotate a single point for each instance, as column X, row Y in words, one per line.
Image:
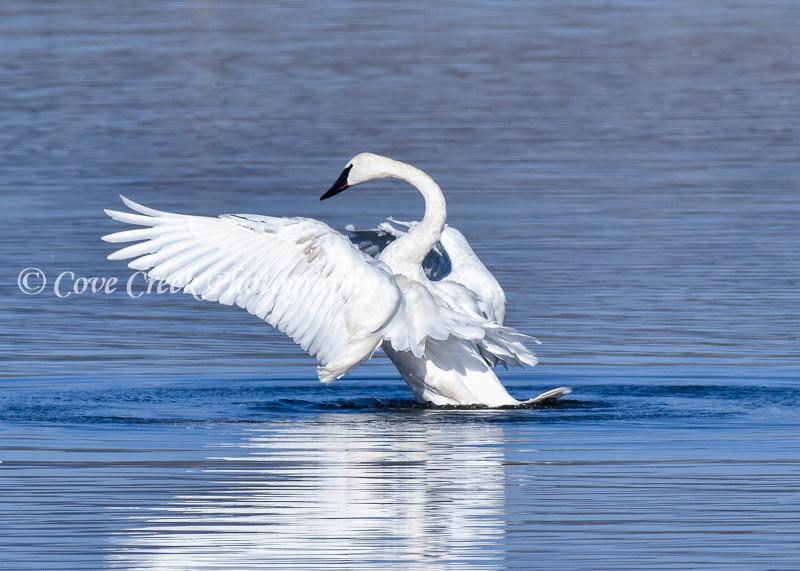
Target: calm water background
column 629, row 170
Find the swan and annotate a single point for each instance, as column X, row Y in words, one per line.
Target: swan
column 415, row 289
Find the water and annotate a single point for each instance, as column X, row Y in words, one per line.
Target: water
column 629, row 171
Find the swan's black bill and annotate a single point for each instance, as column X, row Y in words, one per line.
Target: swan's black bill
column 339, row 185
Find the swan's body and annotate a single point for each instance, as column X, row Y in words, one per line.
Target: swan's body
column 416, row 289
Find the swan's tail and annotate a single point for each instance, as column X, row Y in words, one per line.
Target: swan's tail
column 549, row 396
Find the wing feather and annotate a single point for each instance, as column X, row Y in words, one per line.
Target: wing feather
column 297, row 274
column 469, row 271
column 451, row 260
column 469, row 301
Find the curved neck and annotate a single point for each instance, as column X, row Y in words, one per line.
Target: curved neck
column 416, row 244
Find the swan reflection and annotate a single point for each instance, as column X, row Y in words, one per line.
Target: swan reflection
column 344, row 489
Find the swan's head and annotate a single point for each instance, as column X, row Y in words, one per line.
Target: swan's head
column 360, row 168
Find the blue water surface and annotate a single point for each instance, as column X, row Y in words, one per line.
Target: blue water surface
column 629, row 170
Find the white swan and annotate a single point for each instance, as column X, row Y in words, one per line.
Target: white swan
column 443, row 329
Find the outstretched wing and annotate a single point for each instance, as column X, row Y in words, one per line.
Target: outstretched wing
column 460, row 282
column 468, row 271
column 297, row 274
column 451, row 259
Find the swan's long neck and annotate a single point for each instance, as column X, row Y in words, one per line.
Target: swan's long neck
column 416, row 244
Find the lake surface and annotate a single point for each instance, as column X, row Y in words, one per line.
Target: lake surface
column 630, row 171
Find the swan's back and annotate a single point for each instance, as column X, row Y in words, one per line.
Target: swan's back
column 451, row 259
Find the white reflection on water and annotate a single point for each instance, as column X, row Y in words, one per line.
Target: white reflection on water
column 346, row 488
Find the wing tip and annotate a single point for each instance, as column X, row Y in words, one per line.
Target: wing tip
column 113, row 214
column 141, row 208
column 327, row 376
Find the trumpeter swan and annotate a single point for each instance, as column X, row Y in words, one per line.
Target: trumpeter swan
column 416, row 289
